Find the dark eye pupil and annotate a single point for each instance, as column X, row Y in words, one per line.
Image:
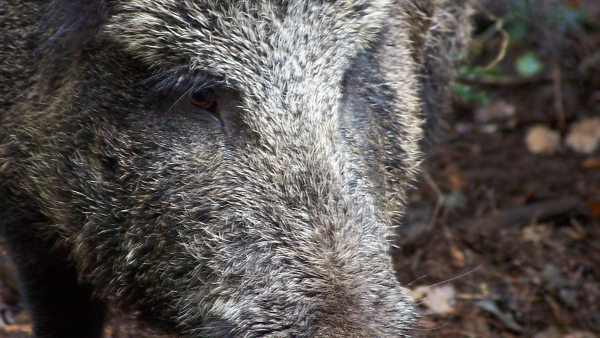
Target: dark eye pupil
column 203, row 99
column 199, row 95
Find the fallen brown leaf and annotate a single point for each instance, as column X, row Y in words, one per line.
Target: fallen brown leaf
column 594, row 207
column 591, row 163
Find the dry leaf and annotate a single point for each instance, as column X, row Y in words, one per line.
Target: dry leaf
column 418, row 292
column 506, row 317
column 457, row 257
column 495, row 111
column 456, row 181
column 584, row 136
column 580, row 334
column 542, row 140
column 17, row 328
column 551, row 332
column 594, row 207
column 591, row 163
column 441, row 299
column 535, row 233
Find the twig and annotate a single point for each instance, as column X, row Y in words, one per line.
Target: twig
column 439, row 199
column 540, row 210
column 499, row 24
column 558, row 98
column 507, row 80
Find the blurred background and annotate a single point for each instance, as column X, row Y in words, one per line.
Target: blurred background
column 502, row 233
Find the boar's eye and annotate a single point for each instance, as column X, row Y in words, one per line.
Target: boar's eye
column 203, row 99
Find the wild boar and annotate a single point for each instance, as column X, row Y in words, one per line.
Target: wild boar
column 224, row 168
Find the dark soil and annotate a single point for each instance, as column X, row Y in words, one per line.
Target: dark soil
column 514, row 235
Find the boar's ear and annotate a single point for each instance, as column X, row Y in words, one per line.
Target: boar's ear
column 436, row 34
column 73, row 23
column 445, row 46
column 400, row 53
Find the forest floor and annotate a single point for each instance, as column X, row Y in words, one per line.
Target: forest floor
column 502, row 232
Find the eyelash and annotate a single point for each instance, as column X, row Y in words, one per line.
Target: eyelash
column 178, row 80
column 184, row 85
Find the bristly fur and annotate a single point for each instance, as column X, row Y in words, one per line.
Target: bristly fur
column 72, row 23
column 271, row 220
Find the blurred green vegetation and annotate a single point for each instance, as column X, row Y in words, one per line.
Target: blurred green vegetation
column 522, row 35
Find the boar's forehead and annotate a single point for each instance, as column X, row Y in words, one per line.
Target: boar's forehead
column 252, row 44
column 291, row 57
